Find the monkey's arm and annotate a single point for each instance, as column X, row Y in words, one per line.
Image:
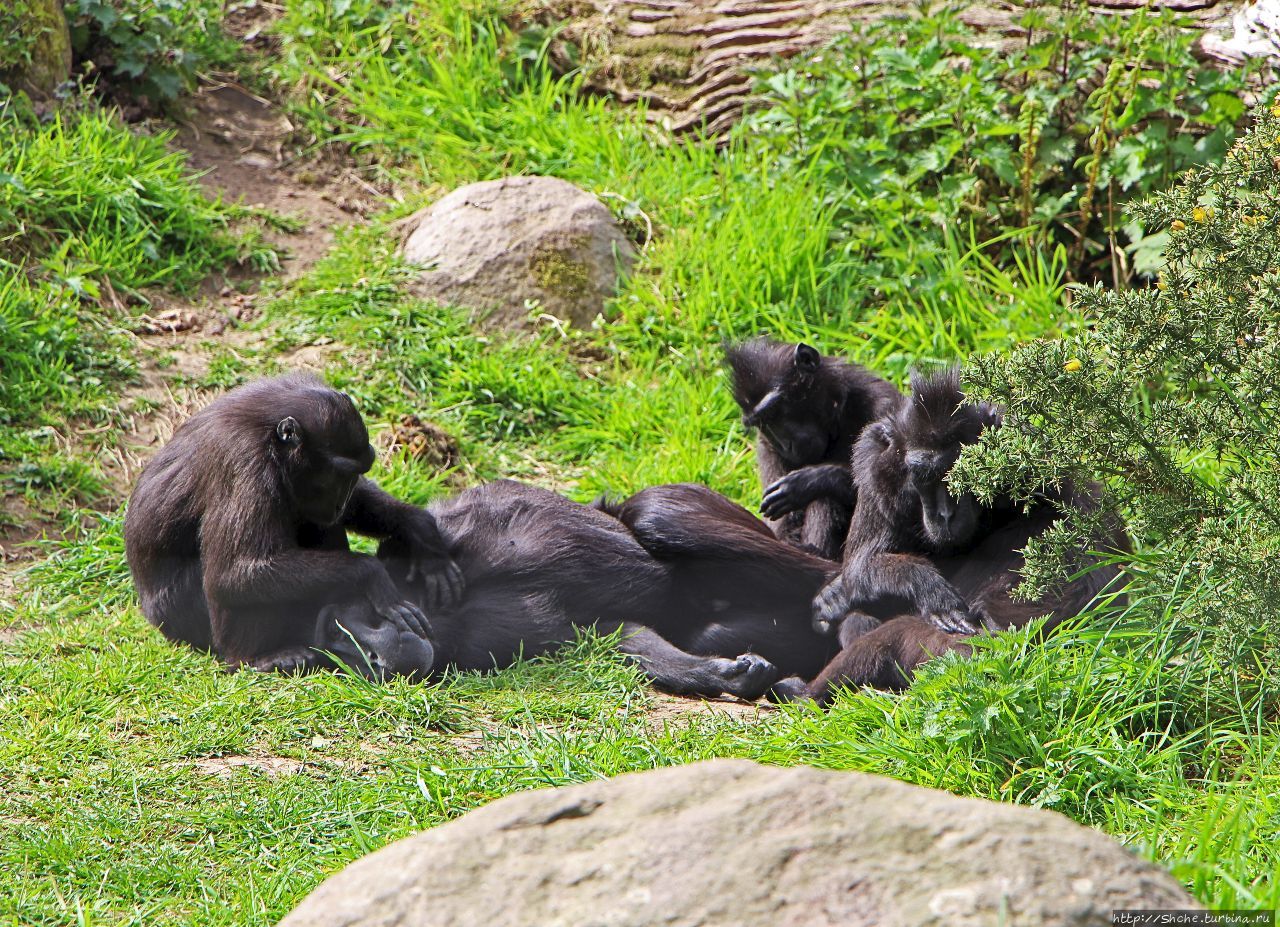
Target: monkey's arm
column 376, row 513
column 771, row 470
column 251, row 566
column 797, row 489
column 869, row 576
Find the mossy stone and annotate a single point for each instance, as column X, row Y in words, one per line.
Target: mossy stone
column 38, row 58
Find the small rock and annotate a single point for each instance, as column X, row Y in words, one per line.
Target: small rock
column 495, row 245
column 169, row 322
column 730, row 843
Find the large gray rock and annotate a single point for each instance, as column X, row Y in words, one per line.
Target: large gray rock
column 495, row 244
column 732, row 844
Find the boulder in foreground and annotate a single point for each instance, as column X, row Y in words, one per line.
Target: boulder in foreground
column 730, row 843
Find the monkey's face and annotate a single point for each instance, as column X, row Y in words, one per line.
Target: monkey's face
column 371, row 645
column 798, row 414
column 796, row 437
column 323, row 452
column 948, row 521
column 321, row 493
column 930, row 432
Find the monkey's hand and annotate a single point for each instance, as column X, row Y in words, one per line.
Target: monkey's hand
column 430, row 563
column 408, row 617
column 831, row 605
column 955, row 620
column 386, row 601
column 789, row 493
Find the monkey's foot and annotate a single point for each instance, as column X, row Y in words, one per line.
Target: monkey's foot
column 791, row 689
column 748, row 677
column 294, row 660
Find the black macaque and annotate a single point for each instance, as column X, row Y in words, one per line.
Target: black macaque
column 809, row 411
column 906, row 513
column 940, row 566
column 236, row 532
column 688, row 576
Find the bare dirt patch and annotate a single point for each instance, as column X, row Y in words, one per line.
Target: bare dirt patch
column 225, row 766
column 10, row 635
column 243, row 146
column 675, row 708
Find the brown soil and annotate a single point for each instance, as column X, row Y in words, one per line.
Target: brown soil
column 270, row 766
column 665, row 709
column 243, row 146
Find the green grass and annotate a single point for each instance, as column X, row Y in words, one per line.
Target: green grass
column 107, row 815
column 92, row 216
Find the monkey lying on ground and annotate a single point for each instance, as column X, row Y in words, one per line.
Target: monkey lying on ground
column 945, row 563
column 236, row 536
column 809, row 410
column 707, row 600
column 236, row 532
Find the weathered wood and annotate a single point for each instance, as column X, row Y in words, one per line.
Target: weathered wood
column 690, row 61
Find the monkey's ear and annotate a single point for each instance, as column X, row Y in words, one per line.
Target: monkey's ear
column 879, row 432
column 289, row 431
column 807, row 358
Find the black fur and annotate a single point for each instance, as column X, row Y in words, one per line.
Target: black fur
column 808, row 410
column 709, row 602
column 236, row 532
column 914, row 548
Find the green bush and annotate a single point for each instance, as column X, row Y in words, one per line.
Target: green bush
column 918, row 125
column 152, row 48
column 16, row 39
column 1171, row 398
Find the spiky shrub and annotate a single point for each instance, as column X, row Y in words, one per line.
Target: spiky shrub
column 1171, row 398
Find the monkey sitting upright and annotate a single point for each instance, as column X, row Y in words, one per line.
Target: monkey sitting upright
column 925, row 568
column 236, row 531
column 808, row 410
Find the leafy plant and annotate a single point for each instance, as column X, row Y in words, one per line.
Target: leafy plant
column 17, row 41
column 1170, row 397
column 915, row 121
column 152, row 48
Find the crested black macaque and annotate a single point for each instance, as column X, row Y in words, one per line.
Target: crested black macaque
column 687, row 575
column 939, row 565
column 906, row 513
column 236, row 532
column 808, row 410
